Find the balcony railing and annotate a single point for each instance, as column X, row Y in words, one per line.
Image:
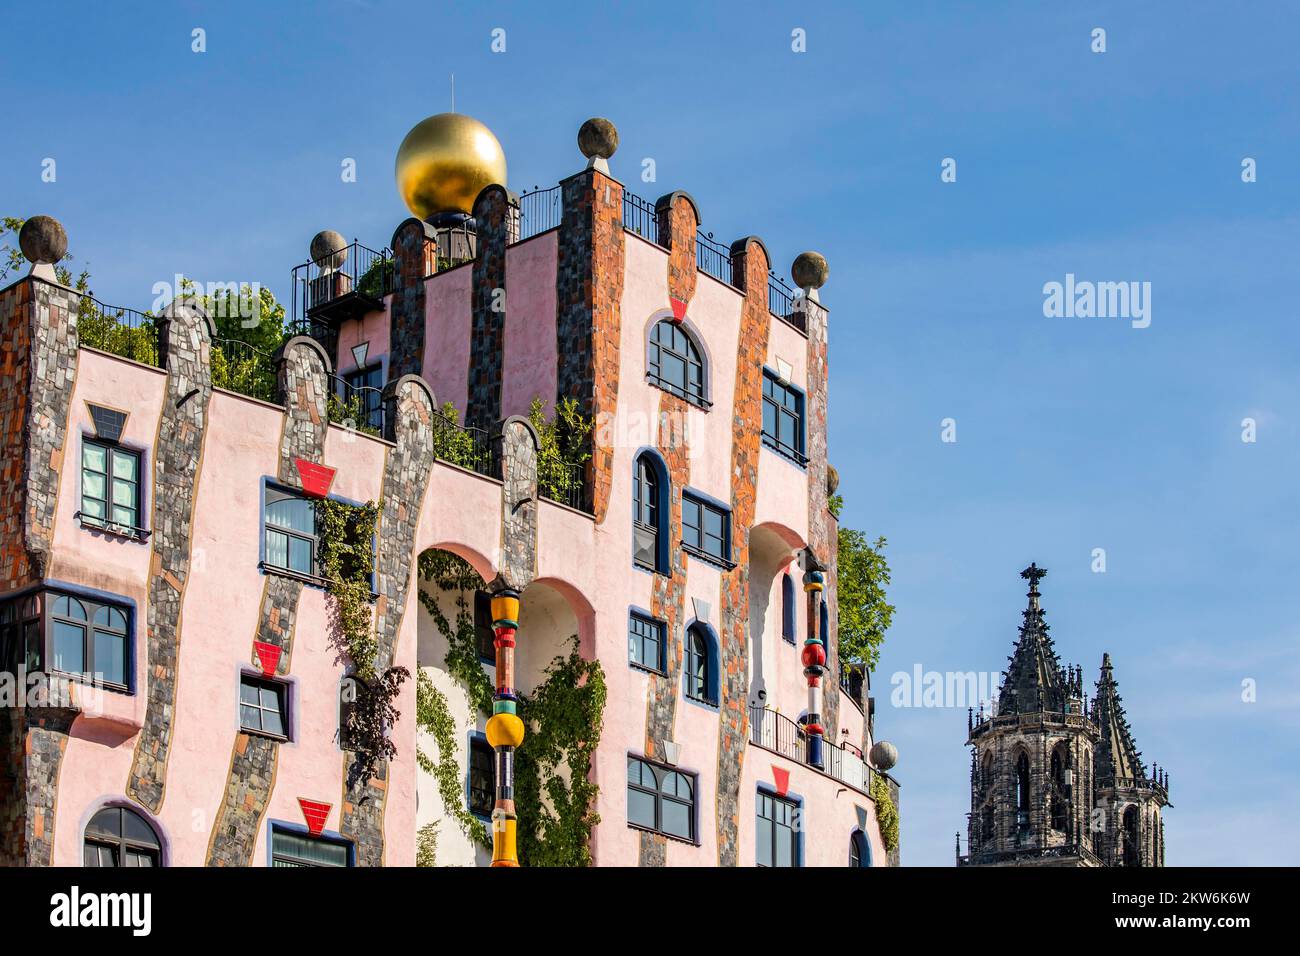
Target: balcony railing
column 331, row 293
column 786, row 304
column 781, row 735
column 465, row 446
column 639, row 216
column 125, row 332
column 714, row 258
column 243, row 368
column 539, row 210
column 563, row 482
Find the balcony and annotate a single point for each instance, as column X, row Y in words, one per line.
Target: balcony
column 779, row 734
column 329, row 291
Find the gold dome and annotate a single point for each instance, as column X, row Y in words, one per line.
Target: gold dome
column 445, row 161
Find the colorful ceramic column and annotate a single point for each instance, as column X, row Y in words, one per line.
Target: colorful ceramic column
column 505, row 731
column 814, row 661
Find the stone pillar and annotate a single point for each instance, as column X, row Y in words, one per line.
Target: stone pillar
column 185, row 346
column 814, row 660
column 589, row 292
column 488, row 305
column 747, row 426
column 411, row 244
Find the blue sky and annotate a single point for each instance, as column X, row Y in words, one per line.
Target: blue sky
column 1072, row 434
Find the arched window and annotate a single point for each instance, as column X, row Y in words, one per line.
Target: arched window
column 787, row 608
column 859, row 849
column 674, row 364
column 701, row 665
column 649, row 514
column 1060, row 807
column 118, row 836
column 1022, row 794
column 987, row 822
column 1131, row 855
column 660, row 798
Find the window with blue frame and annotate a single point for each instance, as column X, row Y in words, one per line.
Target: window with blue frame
column 645, row 642
column 701, row 666
column 290, row 531
column 291, row 848
column 824, row 624
column 674, row 362
column 706, row 529
column 86, row 638
column 787, row 608
column 649, row 515
column 661, row 799
column 859, row 850
column 482, row 779
column 783, row 422
column 264, row 707
column 777, row 835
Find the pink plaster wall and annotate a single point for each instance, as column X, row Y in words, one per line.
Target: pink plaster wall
column 372, row 329
column 530, row 343
column 446, row 335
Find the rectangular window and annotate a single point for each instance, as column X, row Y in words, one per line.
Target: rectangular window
column 364, row 395
column 777, row 835
column 482, row 777
column 645, row 642
column 290, row 530
column 484, row 634
column 262, row 707
column 299, row 849
column 706, row 529
column 783, row 428
column 110, row 487
column 661, row 799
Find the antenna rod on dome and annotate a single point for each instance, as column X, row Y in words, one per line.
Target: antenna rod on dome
column 453, row 92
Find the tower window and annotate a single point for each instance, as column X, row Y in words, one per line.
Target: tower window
column 674, row 363
column 783, row 421
column 1022, row 795
column 859, row 850
column 118, row 836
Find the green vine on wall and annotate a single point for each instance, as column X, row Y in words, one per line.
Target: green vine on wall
column 564, row 717
column 347, row 561
column 433, row 716
column 453, row 574
column 886, row 812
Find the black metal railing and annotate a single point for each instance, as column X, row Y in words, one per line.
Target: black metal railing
column 125, row 332
column 539, row 210
column 243, row 368
column 465, row 446
column 451, row 246
column 563, row 482
column 357, row 407
column 786, row 304
column 781, row 735
column 640, row 216
column 364, row 272
column 714, row 258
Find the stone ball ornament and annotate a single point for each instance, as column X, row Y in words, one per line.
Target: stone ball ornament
column 810, row 270
column 884, row 755
column 43, row 240
column 444, row 162
column 598, row 137
column 329, row 250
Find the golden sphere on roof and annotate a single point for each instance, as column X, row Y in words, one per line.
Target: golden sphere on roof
column 445, row 161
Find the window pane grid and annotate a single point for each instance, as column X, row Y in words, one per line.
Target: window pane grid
column 661, row 799
column 110, row 485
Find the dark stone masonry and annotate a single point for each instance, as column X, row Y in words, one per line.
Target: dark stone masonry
column 488, row 303
column 406, row 478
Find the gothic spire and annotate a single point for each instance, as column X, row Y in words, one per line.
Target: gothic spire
column 1117, row 753
column 1034, row 680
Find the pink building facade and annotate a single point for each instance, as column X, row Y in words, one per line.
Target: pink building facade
column 159, row 551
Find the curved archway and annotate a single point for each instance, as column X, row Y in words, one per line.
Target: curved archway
column 772, row 551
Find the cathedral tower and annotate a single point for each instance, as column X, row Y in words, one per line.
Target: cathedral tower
column 1053, row 781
